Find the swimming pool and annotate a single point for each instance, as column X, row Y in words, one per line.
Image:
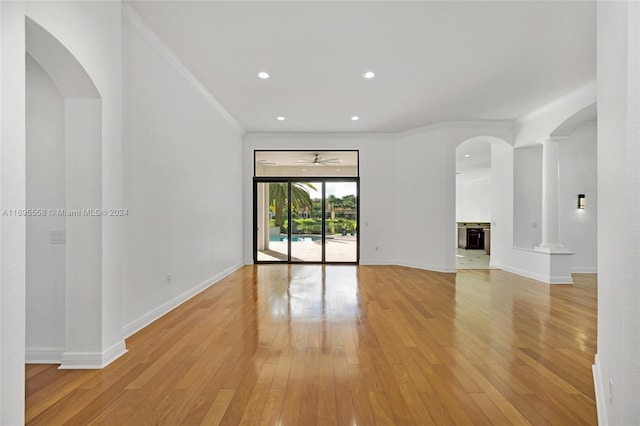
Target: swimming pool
column 295, row 238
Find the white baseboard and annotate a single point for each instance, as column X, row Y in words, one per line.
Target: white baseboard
column 601, row 398
column 376, row 262
column 495, row 265
column 146, row 319
column 546, row 279
column 584, row 270
column 92, row 360
column 43, row 355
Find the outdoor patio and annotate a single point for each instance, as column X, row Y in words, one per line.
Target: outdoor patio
column 339, row 248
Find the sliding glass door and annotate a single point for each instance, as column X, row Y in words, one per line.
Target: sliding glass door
column 341, row 221
column 271, row 218
column 306, row 221
column 312, row 220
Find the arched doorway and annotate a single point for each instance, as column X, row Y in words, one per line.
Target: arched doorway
column 482, row 163
column 63, row 184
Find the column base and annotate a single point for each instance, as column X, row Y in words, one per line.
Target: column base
column 553, row 249
column 557, row 264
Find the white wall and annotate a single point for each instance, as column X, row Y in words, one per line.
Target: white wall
column 407, row 187
column 378, row 187
column 84, row 250
column 66, row 173
column 473, row 200
column 617, row 366
column 12, row 228
column 578, row 175
column 91, row 31
column 184, row 185
column 527, row 196
column 425, row 208
column 45, row 189
column 501, row 201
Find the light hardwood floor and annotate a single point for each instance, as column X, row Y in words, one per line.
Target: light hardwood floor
column 307, row 344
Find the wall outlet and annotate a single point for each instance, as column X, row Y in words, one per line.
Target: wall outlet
column 168, row 278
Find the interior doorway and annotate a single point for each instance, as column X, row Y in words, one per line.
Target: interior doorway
column 473, row 204
column 306, row 207
column 63, row 146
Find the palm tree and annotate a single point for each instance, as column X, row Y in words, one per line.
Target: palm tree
column 278, row 194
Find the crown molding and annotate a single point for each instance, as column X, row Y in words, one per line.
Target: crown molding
column 443, row 125
column 312, row 135
column 131, row 18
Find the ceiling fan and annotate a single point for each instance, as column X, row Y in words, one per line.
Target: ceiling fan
column 319, row 161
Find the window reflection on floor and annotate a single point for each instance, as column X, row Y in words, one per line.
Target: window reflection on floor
column 310, row 292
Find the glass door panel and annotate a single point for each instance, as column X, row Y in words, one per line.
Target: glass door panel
column 306, row 221
column 341, row 221
column 272, row 209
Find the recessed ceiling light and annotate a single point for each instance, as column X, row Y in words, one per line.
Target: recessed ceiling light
column 263, row 75
column 467, row 156
column 304, row 170
column 355, row 118
column 369, row 74
column 280, row 118
column 337, row 170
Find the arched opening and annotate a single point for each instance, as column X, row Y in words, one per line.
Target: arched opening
column 575, row 139
column 578, row 176
column 479, row 199
column 63, row 185
column 586, row 116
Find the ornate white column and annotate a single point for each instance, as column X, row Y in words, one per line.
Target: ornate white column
column 551, row 195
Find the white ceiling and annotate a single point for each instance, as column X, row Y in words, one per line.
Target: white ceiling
column 434, row 61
